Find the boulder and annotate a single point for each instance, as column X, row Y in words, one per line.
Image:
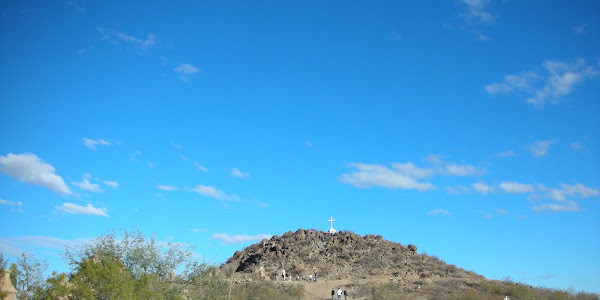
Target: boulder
column 412, row 247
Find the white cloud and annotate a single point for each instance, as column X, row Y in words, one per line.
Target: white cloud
column 482, row 188
column 186, row 69
column 150, row 165
column 200, row 167
column 88, row 209
column 166, row 187
column 93, row 143
column 508, row 153
column 411, row 170
column 579, row 190
column 558, row 80
column 580, row 29
column 11, row 203
column 199, row 230
column 458, row 190
column 239, row 174
column 405, row 177
column 8, row 247
column 562, row 196
column 576, row 145
column 555, row 207
column 238, row 238
column 183, row 157
column 477, row 10
column 112, row 184
column 27, row 167
column 460, row 170
column 85, row 184
column 540, row 148
column 497, row 88
column 438, row 212
column 440, row 166
column 49, row 242
column 212, row 192
column 15, row 206
column 516, row 188
column 116, row 36
column 502, row 211
column 177, row 146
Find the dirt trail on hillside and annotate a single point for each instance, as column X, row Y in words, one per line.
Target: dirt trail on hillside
column 321, row 290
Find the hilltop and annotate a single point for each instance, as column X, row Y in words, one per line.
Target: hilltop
column 343, row 256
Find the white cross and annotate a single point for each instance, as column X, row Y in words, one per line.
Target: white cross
column 506, row 298
column 331, row 220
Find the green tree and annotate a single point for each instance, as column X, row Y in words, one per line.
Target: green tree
column 13, row 274
column 126, row 266
column 140, row 255
column 30, row 275
column 102, row 276
column 3, row 264
column 57, row 287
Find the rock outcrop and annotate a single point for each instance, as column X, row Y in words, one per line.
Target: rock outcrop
column 345, row 255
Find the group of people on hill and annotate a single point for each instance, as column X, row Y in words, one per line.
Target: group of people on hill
column 312, row 277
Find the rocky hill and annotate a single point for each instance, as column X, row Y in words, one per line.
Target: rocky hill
column 344, row 255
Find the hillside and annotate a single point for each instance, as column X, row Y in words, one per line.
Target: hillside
column 368, row 267
column 343, row 256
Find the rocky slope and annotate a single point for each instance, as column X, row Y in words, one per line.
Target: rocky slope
column 345, row 255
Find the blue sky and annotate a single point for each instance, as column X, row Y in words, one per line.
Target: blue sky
column 467, row 128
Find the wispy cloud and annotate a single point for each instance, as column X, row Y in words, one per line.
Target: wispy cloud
column 49, row 242
column 508, row 153
column 400, row 176
column 166, row 187
column 239, row 174
column 558, row 80
column 88, row 210
column 200, row 167
column 176, row 146
column 186, row 69
column 406, row 175
column 85, row 184
column 111, row 184
column 199, row 230
column 212, row 192
column 477, row 10
column 512, row 187
column 15, row 206
column 540, row 148
column 116, row 36
column 17, row 245
column 28, row 167
column 443, row 167
column 438, row 212
column 561, row 197
column 580, row 29
column 93, row 143
column 239, row 238
column 576, row 145
column 557, row 207
column 458, row 190
column 10, row 203
column 483, row 188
